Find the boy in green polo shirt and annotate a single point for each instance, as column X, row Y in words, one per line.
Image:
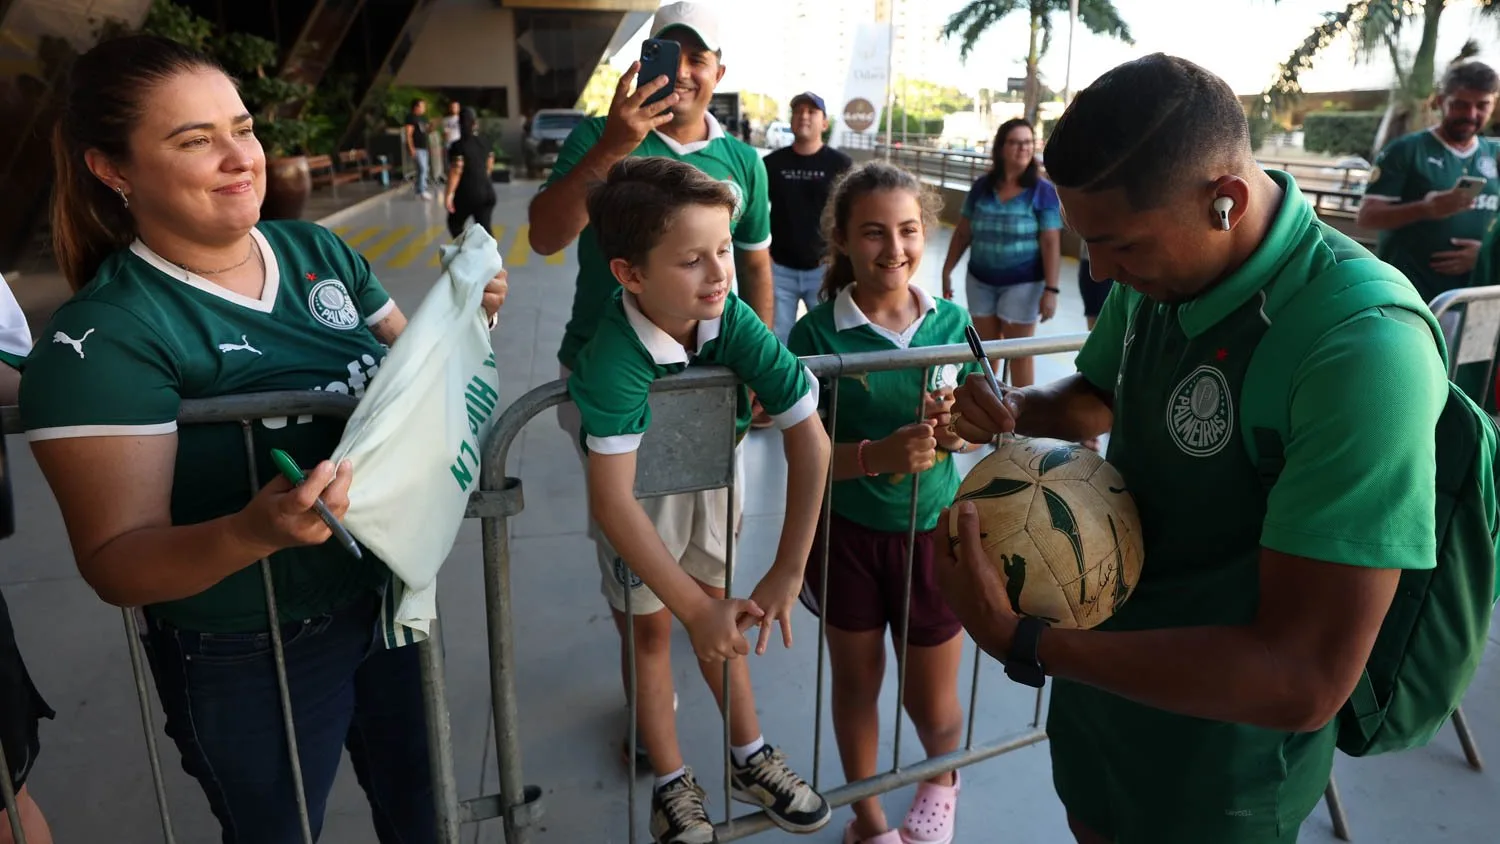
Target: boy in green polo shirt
column 664, row 227
column 1203, row 711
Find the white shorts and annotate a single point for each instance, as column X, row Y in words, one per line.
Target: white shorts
column 693, row 526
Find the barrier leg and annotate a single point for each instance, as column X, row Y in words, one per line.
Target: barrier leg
column 513, row 796
column 143, row 697
column 8, row 794
column 279, row 654
column 439, row 735
column 833, row 416
column 1466, row 738
column 732, row 539
column 1336, row 811
column 632, row 704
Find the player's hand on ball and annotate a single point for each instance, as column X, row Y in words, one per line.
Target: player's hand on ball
column 718, row 630
column 965, row 576
column 494, row 294
column 979, row 415
column 776, row 594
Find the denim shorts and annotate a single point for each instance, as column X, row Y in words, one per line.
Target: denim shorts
column 1018, row 304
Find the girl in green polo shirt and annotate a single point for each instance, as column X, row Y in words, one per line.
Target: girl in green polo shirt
column 876, row 224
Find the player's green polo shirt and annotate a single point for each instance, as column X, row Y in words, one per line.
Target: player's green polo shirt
column 1405, row 171
column 1357, row 489
column 120, row 356
column 726, row 158
column 873, row 405
column 628, row 352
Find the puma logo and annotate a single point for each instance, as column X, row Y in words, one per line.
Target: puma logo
column 60, row 337
column 1436, row 162
column 242, row 346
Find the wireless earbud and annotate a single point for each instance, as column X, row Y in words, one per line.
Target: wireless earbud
column 1222, row 205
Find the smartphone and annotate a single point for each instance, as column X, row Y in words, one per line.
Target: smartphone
column 1470, row 185
column 659, row 57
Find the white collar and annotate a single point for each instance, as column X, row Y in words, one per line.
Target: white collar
column 847, row 315
column 265, row 304
column 664, row 350
column 1461, row 153
column 715, row 132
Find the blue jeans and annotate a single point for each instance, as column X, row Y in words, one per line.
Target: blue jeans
column 420, row 157
column 223, row 711
column 793, row 286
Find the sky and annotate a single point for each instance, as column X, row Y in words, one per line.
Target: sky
column 1241, row 40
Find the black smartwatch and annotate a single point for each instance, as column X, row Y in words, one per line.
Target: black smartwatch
column 1023, row 664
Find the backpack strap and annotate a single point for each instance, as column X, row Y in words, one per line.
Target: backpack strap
column 1298, row 319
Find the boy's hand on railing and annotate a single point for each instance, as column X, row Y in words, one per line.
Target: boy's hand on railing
column 776, row 594
column 718, row 628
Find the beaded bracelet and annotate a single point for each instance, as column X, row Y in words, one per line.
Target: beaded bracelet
column 860, row 457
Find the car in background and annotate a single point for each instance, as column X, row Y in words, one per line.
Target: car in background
column 779, row 134
column 549, row 128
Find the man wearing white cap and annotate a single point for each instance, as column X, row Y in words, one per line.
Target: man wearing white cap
column 680, row 127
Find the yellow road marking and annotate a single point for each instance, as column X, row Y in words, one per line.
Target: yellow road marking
column 520, row 250
column 413, row 250
column 380, row 247
column 340, row 230
column 362, row 236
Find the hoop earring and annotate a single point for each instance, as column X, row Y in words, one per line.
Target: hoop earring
column 123, row 198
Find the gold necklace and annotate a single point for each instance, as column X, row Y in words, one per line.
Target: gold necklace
column 243, row 261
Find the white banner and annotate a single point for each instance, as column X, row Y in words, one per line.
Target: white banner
column 863, row 104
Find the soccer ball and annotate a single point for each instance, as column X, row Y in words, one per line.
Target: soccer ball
column 1059, row 527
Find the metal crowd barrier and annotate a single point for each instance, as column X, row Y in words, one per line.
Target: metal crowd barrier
column 691, row 447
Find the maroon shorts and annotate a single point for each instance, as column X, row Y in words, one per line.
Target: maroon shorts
column 867, row 584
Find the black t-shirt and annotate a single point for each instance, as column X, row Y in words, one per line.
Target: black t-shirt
column 474, row 185
column 799, row 187
column 418, row 131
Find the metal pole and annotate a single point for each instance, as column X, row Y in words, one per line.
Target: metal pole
column 439, row 736
column 633, row 702
column 729, row 543
column 8, row 793
column 143, row 697
column 1068, row 74
column 503, row 677
column 283, row 687
column 890, row 69
column 911, row 558
column 833, row 415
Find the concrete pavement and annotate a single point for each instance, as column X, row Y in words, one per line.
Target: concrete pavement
column 92, row 778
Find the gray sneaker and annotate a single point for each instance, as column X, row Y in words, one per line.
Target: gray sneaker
column 678, row 815
column 766, row 781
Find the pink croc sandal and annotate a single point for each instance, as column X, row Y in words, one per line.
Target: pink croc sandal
column 888, row 837
column 930, row 819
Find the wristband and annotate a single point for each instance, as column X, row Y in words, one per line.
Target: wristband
column 860, row 458
column 1052, row 290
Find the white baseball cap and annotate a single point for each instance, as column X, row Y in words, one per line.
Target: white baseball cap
column 696, row 17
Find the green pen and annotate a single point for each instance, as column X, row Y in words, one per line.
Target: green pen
column 292, row 472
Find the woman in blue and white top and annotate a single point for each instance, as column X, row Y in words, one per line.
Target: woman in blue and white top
column 1013, row 222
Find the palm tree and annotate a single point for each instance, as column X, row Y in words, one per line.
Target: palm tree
column 976, row 18
column 1377, row 27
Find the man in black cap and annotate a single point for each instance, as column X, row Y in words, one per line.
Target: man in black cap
column 801, row 178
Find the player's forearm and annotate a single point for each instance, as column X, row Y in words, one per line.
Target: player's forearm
column 558, row 214
column 807, row 454
column 156, row 564
column 1069, row 408
column 1382, row 215
column 1219, row 673
column 634, row 538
